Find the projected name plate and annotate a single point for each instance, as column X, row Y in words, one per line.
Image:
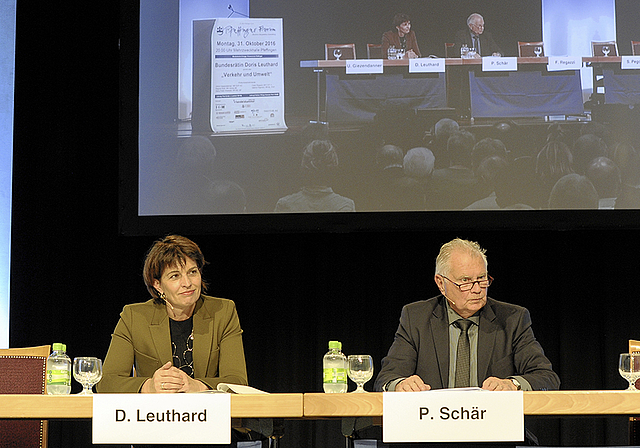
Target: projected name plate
column 162, row 418
column 496, row 64
column 559, row 63
column 427, row 65
column 630, row 63
column 451, row 415
column 364, row 66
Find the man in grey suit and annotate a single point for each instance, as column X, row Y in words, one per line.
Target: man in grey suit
column 476, row 37
column 435, row 335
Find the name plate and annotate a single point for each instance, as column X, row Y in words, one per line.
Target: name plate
column 450, row 415
column 427, row 65
column 630, row 63
column 497, row 64
column 364, row 66
column 162, row 418
column 558, row 63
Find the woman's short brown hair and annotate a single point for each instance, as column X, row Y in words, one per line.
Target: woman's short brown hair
column 400, row 18
column 169, row 251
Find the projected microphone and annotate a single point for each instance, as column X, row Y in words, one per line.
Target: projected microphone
column 233, row 11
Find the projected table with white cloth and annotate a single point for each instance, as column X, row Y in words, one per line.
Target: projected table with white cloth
column 531, row 91
column 352, row 98
column 536, row 93
column 617, row 77
column 621, row 86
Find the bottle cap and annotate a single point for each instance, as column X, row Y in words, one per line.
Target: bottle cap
column 58, row 347
column 335, row 344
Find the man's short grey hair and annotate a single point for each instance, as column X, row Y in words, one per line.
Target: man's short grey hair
column 419, row 162
column 445, row 127
column 473, row 16
column 443, row 260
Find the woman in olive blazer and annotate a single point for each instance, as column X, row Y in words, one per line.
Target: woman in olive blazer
column 179, row 341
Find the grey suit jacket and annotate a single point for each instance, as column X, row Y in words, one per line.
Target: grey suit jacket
column 487, row 45
column 506, row 346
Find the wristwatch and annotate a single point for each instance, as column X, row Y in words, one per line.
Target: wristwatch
column 516, row 383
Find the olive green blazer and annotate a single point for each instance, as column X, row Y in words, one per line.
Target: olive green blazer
column 142, row 339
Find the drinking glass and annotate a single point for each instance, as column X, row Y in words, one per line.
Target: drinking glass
column 605, row 50
column 391, row 52
column 337, row 53
column 629, row 368
column 537, row 51
column 399, row 53
column 87, row 371
column 471, row 53
column 464, row 51
column 360, row 370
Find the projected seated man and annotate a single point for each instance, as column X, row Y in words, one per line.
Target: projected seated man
column 434, row 335
column 476, row 37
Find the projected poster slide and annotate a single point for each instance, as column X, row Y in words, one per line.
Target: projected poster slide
column 247, row 76
column 191, row 10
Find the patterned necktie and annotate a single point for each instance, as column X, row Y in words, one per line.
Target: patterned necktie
column 463, row 355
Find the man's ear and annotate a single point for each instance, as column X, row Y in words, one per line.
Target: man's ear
column 440, row 282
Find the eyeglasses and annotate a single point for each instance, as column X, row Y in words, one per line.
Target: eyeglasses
column 468, row 286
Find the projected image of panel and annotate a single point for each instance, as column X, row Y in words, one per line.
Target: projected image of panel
column 370, row 143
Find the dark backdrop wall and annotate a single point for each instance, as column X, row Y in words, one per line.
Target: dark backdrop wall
column 72, row 272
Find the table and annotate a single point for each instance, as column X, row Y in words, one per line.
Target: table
column 529, row 92
column 321, row 405
column 611, row 83
column 81, row 406
column 315, row 406
column 619, row 86
column 261, row 413
column 550, row 403
column 536, row 403
column 360, row 98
